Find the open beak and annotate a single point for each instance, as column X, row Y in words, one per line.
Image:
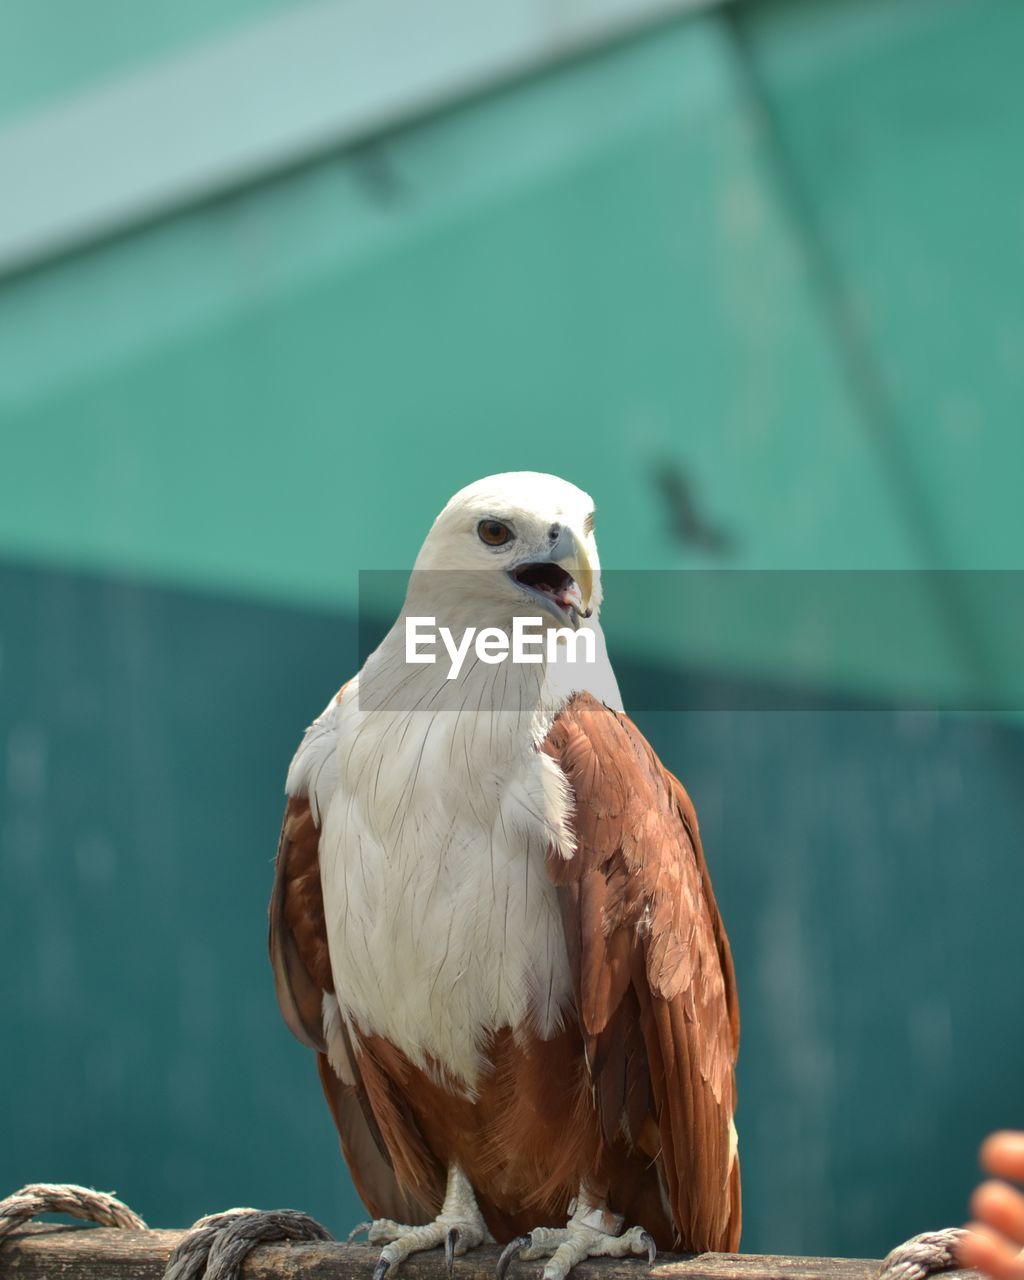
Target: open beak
column 570, row 556
column 564, row 581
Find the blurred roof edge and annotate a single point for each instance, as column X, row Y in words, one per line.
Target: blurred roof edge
column 186, row 127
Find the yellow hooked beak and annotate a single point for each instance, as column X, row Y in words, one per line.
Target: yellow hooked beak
column 569, row 554
column 562, row 580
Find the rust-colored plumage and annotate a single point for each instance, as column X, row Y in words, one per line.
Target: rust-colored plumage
column 633, row 1099
column 656, row 991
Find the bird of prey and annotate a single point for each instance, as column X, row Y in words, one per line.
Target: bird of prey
column 493, row 922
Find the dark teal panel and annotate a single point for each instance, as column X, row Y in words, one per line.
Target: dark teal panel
column 869, row 868
column 146, row 736
column 146, row 733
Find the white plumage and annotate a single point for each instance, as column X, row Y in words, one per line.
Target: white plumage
column 442, row 922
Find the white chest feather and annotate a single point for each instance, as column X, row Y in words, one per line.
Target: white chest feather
column 442, row 922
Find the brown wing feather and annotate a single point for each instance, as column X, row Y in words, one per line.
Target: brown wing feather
column 298, row 934
column 656, row 992
column 300, row 958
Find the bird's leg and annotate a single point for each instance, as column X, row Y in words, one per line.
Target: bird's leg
column 593, row 1231
column 459, row 1227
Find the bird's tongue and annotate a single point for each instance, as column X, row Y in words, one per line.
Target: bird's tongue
column 569, row 597
column 554, row 581
column 566, row 595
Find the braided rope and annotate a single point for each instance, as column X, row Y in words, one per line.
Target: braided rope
column 922, row 1256
column 215, row 1247
column 65, row 1197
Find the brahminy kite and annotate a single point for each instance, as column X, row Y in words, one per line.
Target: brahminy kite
column 493, row 921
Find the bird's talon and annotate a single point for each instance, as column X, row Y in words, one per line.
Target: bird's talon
column 382, row 1268
column 647, row 1240
column 450, row 1241
column 511, row 1250
column 362, row 1226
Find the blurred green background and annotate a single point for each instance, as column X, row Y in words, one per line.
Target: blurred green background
column 276, row 278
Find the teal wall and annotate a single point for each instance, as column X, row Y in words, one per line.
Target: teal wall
column 765, row 253
column 48, row 53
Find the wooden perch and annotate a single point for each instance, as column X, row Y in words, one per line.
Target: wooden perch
column 45, row 1252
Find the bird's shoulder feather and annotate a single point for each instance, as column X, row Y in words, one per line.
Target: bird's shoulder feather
column 652, row 969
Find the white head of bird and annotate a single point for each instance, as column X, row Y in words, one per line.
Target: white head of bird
column 504, row 549
column 508, row 545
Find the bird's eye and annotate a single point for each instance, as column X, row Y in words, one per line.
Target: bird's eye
column 494, row 533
